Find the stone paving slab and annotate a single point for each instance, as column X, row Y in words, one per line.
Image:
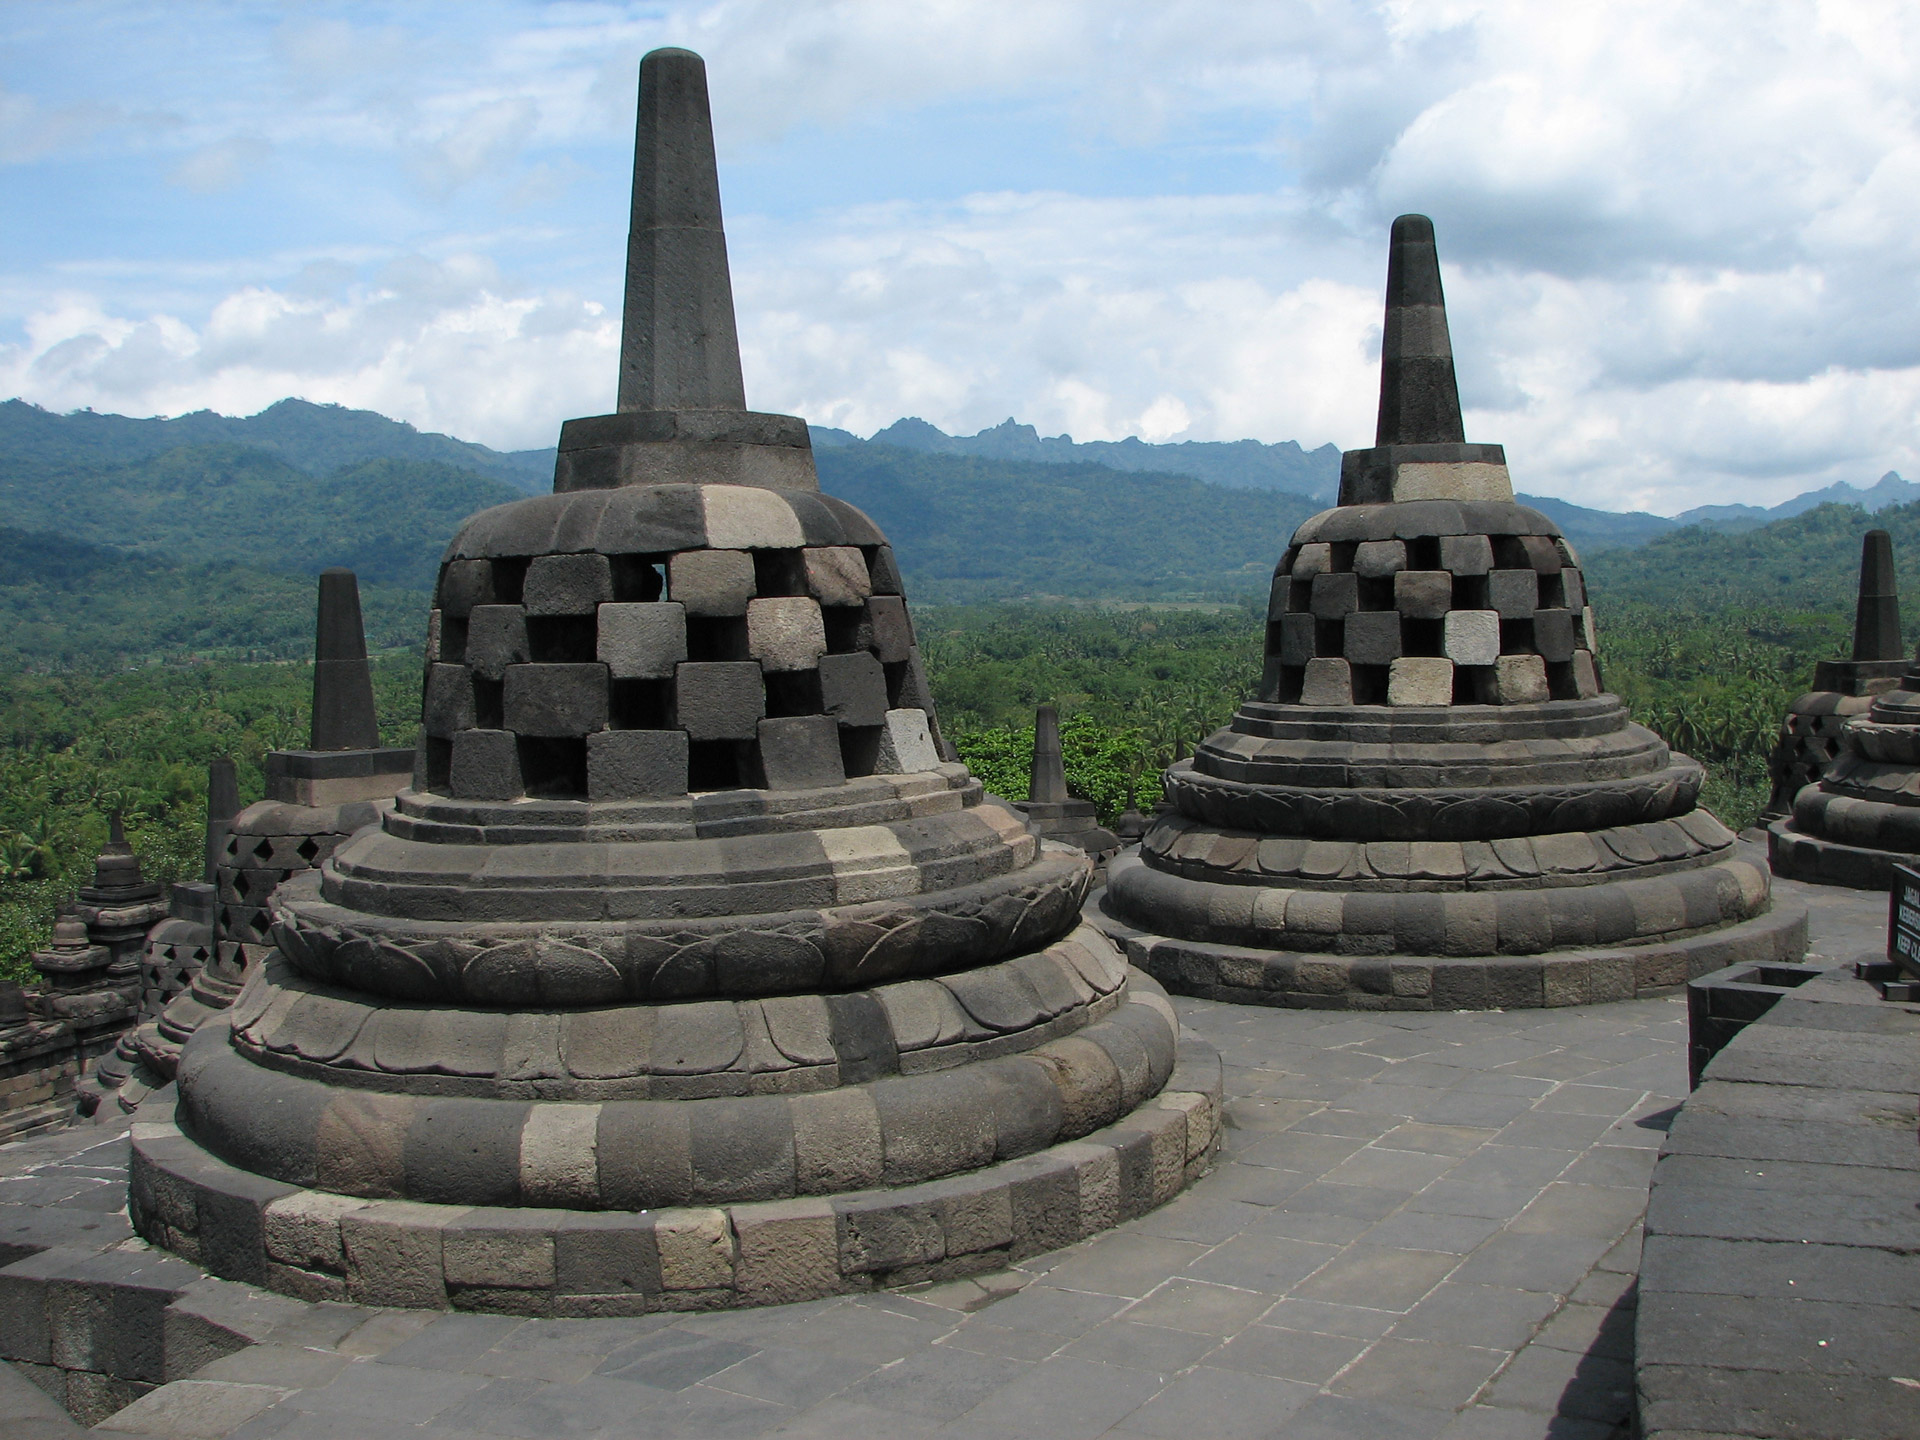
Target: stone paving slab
column 1421, row 1225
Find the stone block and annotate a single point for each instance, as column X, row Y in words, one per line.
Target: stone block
column 836, row 1141
column 1590, row 637
column 906, row 744
column 1541, row 554
column 696, row 1249
column 1586, row 679
column 567, row 584
column 1466, row 554
column 1296, row 639
column 1423, row 594
column 785, row 632
column 1312, row 560
column 1420, row 680
column 393, row 1254
column 449, row 701
column 836, row 574
column 500, row 1249
column 303, row 1230
column 746, row 517
column 486, row 766
column 642, row 641
column 1520, row 680
column 884, row 573
column 556, row 700
column 1377, row 559
column 788, row 1250
column 605, row 1254
column 853, row 688
column 463, row 585
column 1335, row 595
column 1513, row 594
column 1327, row 682
column 711, row 582
column 496, row 638
column 1372, row 637
column 722, row 699
column 1471, row 637
column 1553, row 635
column 892, row 629
column 800, row 752
column 636, row 764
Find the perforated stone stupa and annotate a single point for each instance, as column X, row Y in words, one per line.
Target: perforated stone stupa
column 1811, row 730
column 1432, row 803
column 686, row 974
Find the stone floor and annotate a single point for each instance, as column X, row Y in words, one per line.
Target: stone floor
column 1421, row 1226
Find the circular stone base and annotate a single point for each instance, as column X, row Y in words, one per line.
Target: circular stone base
column 1310, row 981
column 316, row 1245
column 1827, row 862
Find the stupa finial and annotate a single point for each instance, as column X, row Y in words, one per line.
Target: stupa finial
column 223, row 803
column 1419, row 397
column 343, row 714
column 679, row 349
column 1048, row 781
column 1876, row 616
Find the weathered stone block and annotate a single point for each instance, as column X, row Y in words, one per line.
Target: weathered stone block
column 500, row 1249
column 1327, row 682
column 892, row 629
column 1420, row 680
column 1335, row 595
column 1377, row 559
column 496, row 638
column 1520, row 680
column 1553, row 634
column 836, row 1141
column 721, row 699
column 449, row 701
column 1372, row 637
column 711, row 582
column 1423, row 594
column 393, row 1254
column 1513, row 594
column 1541, row 553
column 884, row 573
column 696, row 1249
column 788, row 1250
column 605, row 1255
column 1466, row 554
column 463, row 585
column 642, row 641
column 567, row 584
column 1296, row 639
column 486, row 766
column 556, row 700
column 853, row 688
column 1585, row 678
column 785, row 632
column 1312, row 560
column 906, row 744
column 636, row 764
column 1471, row 637
column 836, row 574
column 800, row 752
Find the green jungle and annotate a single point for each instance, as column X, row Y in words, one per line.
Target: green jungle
column 1134, row 602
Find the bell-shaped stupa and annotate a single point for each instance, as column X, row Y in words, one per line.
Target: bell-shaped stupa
column 1810, row 732
column 686, row 974
column 1432, row 803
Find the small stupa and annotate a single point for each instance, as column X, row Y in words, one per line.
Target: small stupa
column 1810, row 732
column 1050, row 809
column 686, row 974
column 1432, row 803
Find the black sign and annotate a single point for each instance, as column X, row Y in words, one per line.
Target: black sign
column 1903, row 919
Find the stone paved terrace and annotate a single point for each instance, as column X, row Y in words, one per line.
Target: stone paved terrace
column 1421, row 1226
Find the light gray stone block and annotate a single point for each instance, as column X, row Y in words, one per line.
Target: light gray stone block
column 1312, row 560
column 711, row 582
column 785, row 632
column 1377, row 559
column 1420, row 680
column 836, row 574
column 643, row 641
column 906, row 744
column 1586, row 677
column 1471, row 637
column 1327, row 682
column 1520, row 680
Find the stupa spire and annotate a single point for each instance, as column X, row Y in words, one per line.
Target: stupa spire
column 223, row 803
column 1419, row 396
column 1876, row 616
column 1048, row 781
column 343, row 714
column 679, row 349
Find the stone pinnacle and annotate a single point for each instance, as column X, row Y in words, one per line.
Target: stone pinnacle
column 343, row 714
column 1419, row 398
column 678, row 346
column 1048, row 783
column 223, row 803
column 1876, row 618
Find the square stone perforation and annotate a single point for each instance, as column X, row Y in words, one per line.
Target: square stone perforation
column 638, row 578
column 1516, row 637
column 452, row 647
column 562, row 639
column 489, row 703
column 794, row 692
column 860, row 748
column 778, row 572
column 721, row 764
column 510, row 579
column 849, row 629
column 640, row 705
column 553, row 767
column 1370, row 684
column 717, row 638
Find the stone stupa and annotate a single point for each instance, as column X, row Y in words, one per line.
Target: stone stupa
column 1432, row 803
column 686, row 974
column 1810, row 732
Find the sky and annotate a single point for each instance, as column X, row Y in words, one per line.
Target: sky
column 1680, row 242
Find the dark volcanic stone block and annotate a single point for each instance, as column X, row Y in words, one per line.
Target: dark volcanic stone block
column 1514, row 594
column 711, row 582
column 800, row 752
column 465, row 584
column 556, row 700
column 1553, row 634
column 1377, row 559
column 723, row 699
column 1423, row 594
column 1466, row 554
column 636, row 764
column 1335, row 595
column 854, row 689
column 486, row 766
column 642, row 641
column 1373, row 637
column 885, row 574
column 496, row 638
column 567, row 584
column 892, row 630
column 1541, row 554
column 1296, row 639
column 449, row 704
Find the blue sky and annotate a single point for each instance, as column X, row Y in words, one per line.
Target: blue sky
column 1681, row 243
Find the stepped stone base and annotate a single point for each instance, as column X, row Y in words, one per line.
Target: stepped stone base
column 1324, row 981
column 317, row 1245
column 1827, row 862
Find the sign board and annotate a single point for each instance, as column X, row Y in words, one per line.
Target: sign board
column 1903, row 919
